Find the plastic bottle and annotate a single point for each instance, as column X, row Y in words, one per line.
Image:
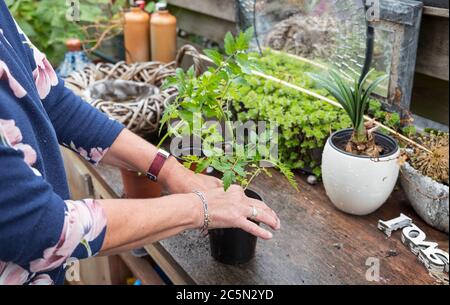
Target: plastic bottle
column 163, row 34
column 137, row 35
column 74, row 60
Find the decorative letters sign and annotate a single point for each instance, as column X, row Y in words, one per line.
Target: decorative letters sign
column 395, row 224
column 435, row 259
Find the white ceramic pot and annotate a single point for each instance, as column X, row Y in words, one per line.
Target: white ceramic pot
column 359, row 185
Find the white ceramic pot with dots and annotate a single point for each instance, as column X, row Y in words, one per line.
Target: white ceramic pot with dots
column 359, row 185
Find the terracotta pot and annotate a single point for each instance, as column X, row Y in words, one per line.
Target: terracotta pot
column 138, row 186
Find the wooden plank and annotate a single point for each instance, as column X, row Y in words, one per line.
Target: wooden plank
column 222, row 9
column 95, row 271
column 433, row 51
column 141, row 269
column 203, row 25
column 118, row 270
column 436, row 11
column 79, row 283
column 170, row 267
column 430, row 99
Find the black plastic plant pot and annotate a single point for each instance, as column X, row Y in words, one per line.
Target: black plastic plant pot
column 233, row 246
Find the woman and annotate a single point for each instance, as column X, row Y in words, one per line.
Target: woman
column 40, row 228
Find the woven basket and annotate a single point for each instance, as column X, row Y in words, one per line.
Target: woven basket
column 142, row 116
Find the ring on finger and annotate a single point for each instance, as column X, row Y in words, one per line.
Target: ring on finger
column 254, row 213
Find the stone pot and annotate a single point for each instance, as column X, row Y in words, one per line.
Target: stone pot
column 428, row 198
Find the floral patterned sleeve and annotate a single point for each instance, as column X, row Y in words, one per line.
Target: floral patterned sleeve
column 78, row 125
column 42, row 231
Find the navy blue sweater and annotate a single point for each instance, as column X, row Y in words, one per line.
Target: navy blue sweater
column 41, row 230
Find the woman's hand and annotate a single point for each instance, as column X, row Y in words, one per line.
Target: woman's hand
column 134, row 223
column 232, row 209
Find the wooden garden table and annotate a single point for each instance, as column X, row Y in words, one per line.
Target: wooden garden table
column 317, row 243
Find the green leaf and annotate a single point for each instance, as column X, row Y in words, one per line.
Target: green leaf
column 243, row 40
column 202, row 165
column 243, row 62
column 317, row 171
column 186, row 116
column 229, row 44
column 240, row 170
column 150, row 7
column 228, row 179
column 215, row 56
column 249, row 34
column 235, row 68
column 289, row 175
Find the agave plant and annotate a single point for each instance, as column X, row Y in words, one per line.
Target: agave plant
column 354, row 98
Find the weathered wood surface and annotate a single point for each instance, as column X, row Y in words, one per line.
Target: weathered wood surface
column 436, row 11
column 142, row 269
column 316, row 245
column 433, row 52
column 222, row 9
column 198, row 21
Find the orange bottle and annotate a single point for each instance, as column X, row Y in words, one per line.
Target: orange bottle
column 137, row 35
column 163, row 34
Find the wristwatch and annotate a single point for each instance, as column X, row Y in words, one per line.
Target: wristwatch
column 157, row 165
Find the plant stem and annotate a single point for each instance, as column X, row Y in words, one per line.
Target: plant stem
column 360, row 134
column 256, row 174
column 169, row 133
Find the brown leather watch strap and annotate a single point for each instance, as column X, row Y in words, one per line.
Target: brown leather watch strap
column 157, row 165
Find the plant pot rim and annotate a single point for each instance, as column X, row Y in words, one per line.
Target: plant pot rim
column 411, row 170
column 377, row 134
column 256, row 193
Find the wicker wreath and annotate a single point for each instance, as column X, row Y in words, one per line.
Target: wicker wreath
column 143, row 115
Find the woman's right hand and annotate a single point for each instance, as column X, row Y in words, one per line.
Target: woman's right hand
column 233, row 209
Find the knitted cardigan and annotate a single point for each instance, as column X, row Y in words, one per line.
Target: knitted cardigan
column 41, row 230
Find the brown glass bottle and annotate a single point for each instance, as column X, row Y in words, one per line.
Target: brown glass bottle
column 163, row 35
column 137, row 35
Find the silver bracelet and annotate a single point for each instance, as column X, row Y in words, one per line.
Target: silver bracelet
column 206, row 222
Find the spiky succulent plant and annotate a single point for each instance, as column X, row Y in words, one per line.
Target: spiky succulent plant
column 354, row 97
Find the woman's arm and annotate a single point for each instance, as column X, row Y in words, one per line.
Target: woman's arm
column 136, row 223
column 150, row 220
column 132, row 152
column 91, row 133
